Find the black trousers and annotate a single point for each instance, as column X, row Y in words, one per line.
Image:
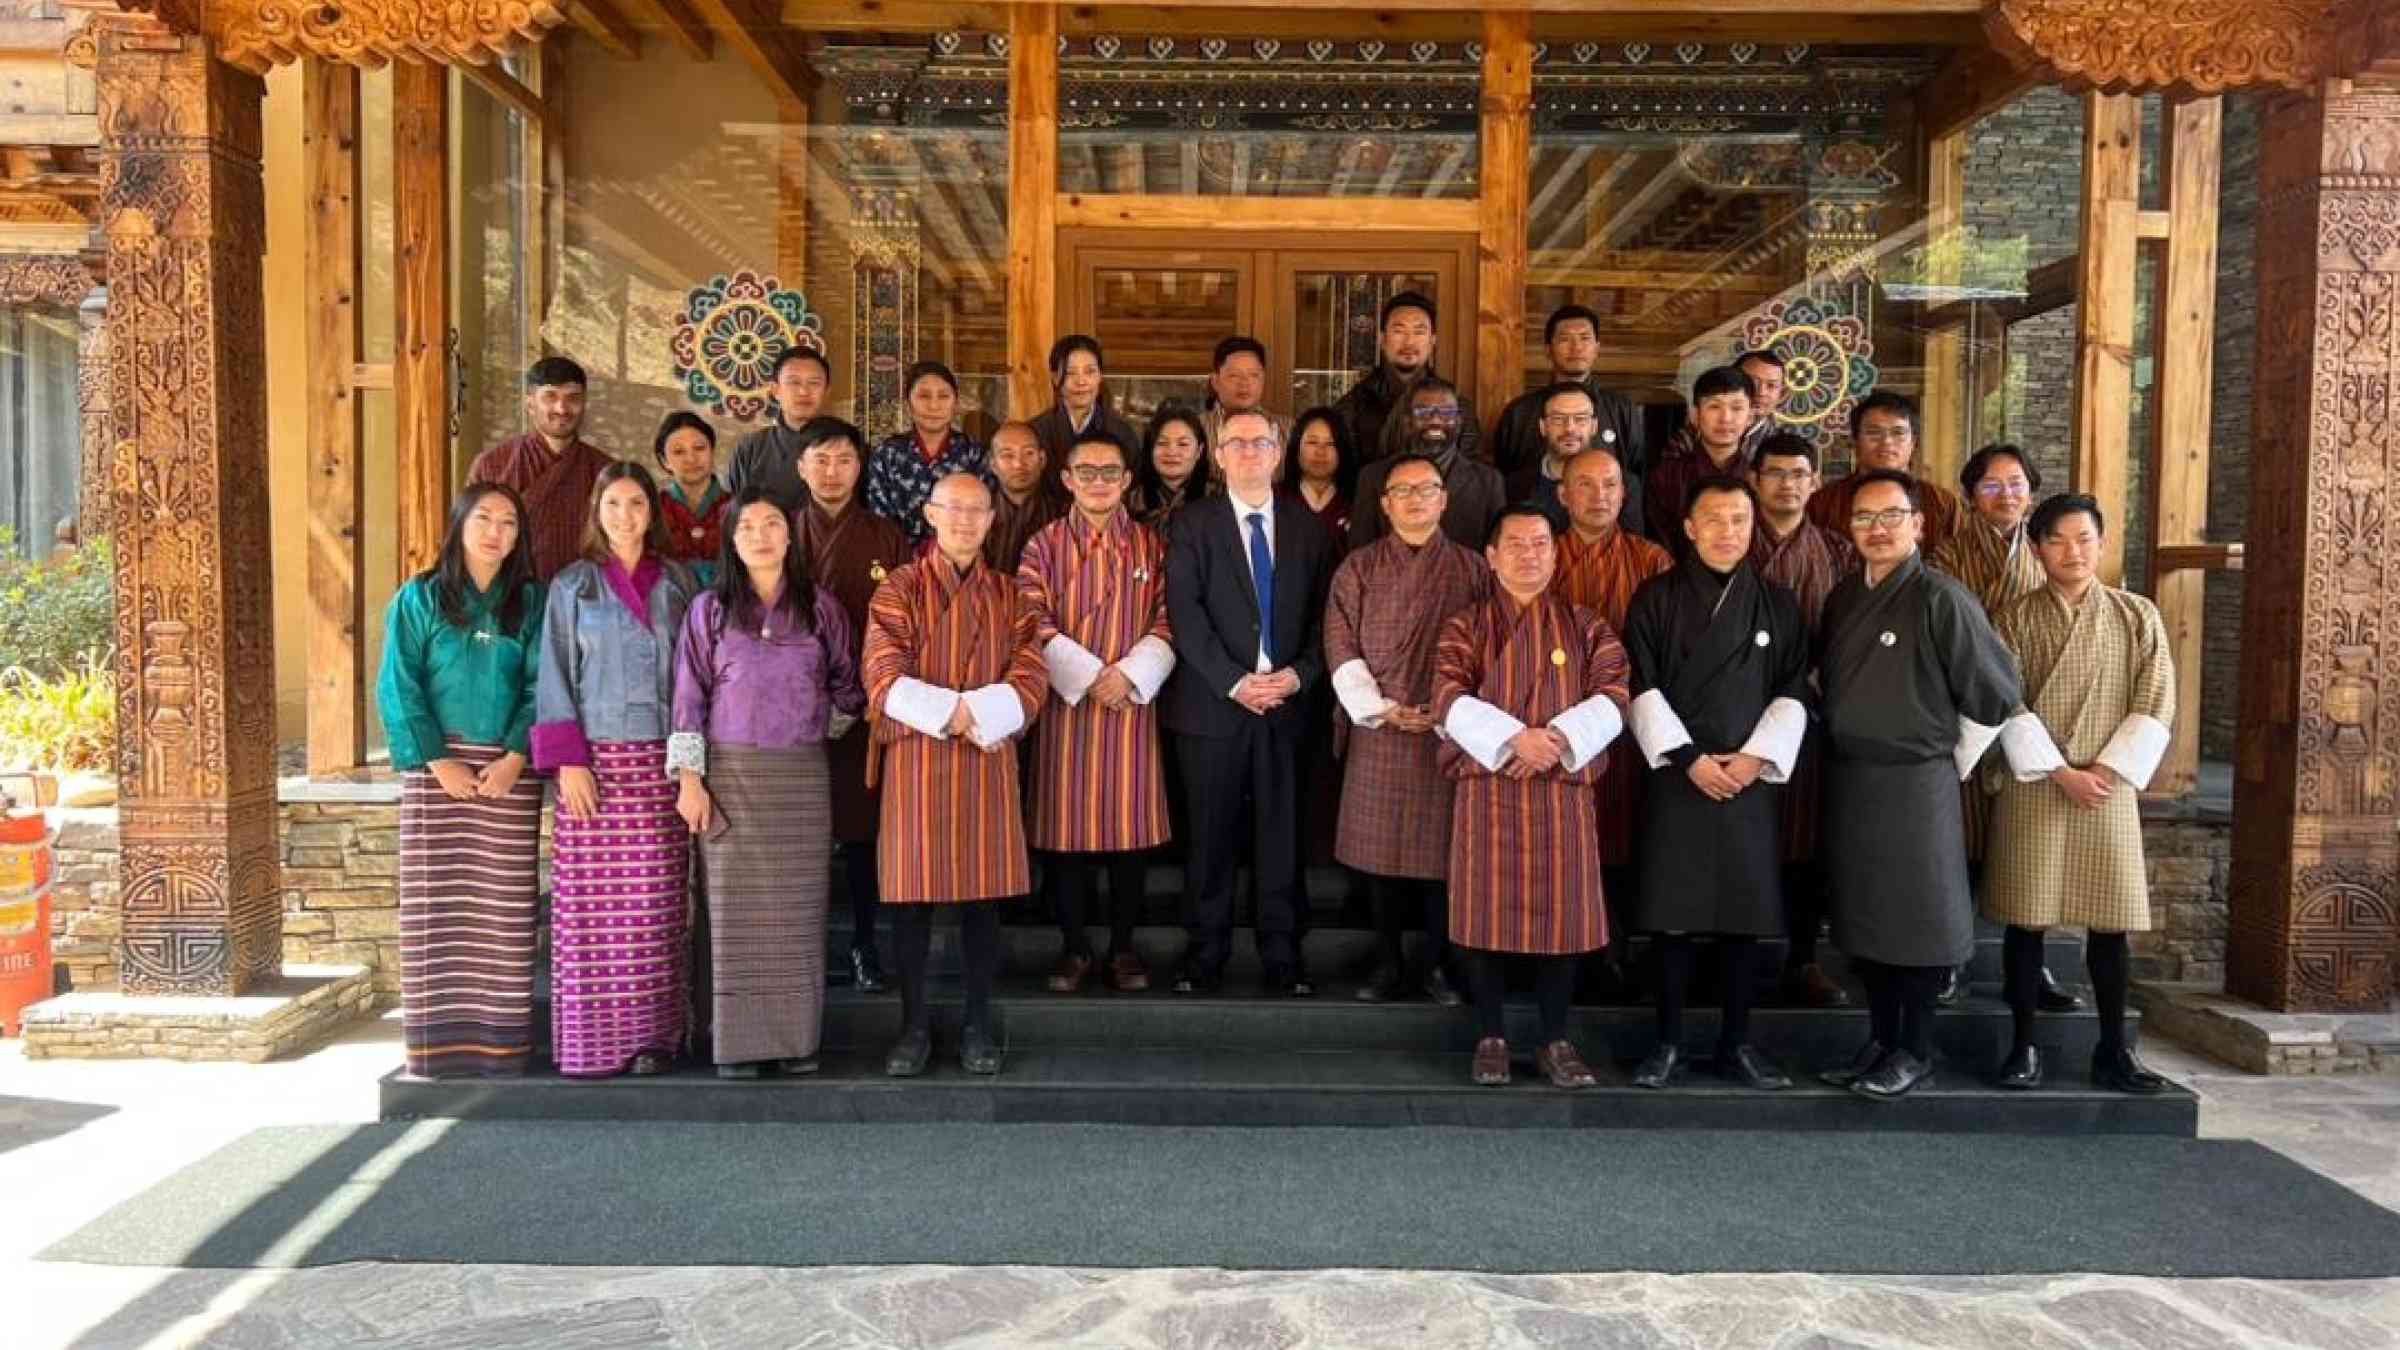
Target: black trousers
column 1241, row 793
column 1075, row 883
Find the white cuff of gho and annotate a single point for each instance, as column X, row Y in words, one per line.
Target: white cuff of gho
column 2026, row 744
column 1360, row 696
column 1481, row 730
column 921, row 706
column 1072, row 668
column 1588, row 726
column 1777, row 737
column 1656, row 728
column 997, row 712
column 1973, row 739
column 686, row 750
column 1147, row 665
column 2136, row 748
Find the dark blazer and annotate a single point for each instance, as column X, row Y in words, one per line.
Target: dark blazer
column 1215, row 613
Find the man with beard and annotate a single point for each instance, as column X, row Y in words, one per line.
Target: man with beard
column 1720, row 681
column 1568, row 421
column 1884, row 429
column 552, row 467
column 1523, row 432
column 1028, row 498
column 1404, row 357
column 769, row 458
column 1765, row 370
column 1475, row 492
column 1707, row 445
column 1388, row 604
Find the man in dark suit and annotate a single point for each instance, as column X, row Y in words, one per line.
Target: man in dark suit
column 1246, row 582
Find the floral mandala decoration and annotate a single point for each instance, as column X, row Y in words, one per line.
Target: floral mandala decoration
column 1828, row 362
column 729, row 335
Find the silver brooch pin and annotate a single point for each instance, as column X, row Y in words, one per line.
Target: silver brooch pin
column 1608, row 435
column 1889, row 638
column 1762, row 638
column 1141, row 574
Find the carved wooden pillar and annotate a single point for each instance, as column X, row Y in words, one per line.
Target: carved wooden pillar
column 183, row 210
column 2316, row 862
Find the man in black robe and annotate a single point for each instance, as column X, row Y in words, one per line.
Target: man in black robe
column 1475, row 492
column 1404, row 356
column 1916, row 686
column 1518, row 439
column 1720, row 683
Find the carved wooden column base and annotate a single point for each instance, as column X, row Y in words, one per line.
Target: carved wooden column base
column 2316, row 864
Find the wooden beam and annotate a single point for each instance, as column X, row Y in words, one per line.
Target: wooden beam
column 601, row 22
column 371, row 375
column 2104, row 311
column 791, row 192
column 1409, row 214
column 506, row 88
column 337, row 649
column 1947, row 25
column 421, row 306
column 549, row 208
column 2182, row 421
column 2172, row 559
column 1500, row 238
column 2152, row 224
column 1945, row 383
column 688, row 29
column 1974, row 83
column 755, row 31
column 1033, row 203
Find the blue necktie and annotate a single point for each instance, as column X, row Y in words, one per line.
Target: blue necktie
column 1262, row 576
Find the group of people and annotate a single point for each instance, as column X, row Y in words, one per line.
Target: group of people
column 1565, row 693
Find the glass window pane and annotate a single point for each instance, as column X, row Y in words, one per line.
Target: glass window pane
column 1336, row 329
column 1159, row 326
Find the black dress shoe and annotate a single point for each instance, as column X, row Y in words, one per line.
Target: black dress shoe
column 1954, row 987
column 1383, row 986
column 797, row 1068
column 1744, row 1065
column 977, row 1052
column 1440, row 990
column 2022, row 1071
column 866, row 970
column 2056, row 997
column 743, row 1071
column 1194, row 980
column 1287, row 980
column 1659, row 1069
column 1898, row 1074
column 2121, row 1071
column 910, row 1054
column 1860, row 1065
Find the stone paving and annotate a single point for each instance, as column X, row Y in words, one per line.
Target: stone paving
column 77, row 1138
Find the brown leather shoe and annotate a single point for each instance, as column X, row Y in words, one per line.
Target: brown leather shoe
column 1067, row 976
column 1566, row 1068
column 1811, row 987
column 1127, row 974
column 1491, row 1062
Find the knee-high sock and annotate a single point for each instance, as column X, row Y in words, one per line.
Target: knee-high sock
column 1803, row 912
column 2021, row 959
column 1396, row 907
column 1487, row 984
column 866, row 898
column 1738, row 959
column 2111, row 961
column 1072, row 877
column 1920, row 986
column 1676, row 956
column 912, row 951
column 979, row 954
column 1128, row 886
column 1433, row 901
column 1883, row 1001
column 1554, row 993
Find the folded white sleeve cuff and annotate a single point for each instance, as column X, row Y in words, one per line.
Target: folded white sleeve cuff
column 1973, row 739
column 2032, row 755
column 1776, row 739
column 1072, row 668
column 1656, row 728
column 998, row 713
column 2134, row 751
column 686, row 750
column 1588, row 726
column 921, row 706
column 1361, row 697
column 1481, row 730
column 1148, row 665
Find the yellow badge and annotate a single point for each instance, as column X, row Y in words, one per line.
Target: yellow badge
column 1558, row 656
column 875, row 571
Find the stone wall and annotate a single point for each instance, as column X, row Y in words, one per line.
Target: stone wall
column 2024, row 182
column 2229, row 449
column 2191, row 870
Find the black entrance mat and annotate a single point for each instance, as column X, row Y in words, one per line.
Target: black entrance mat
column 1094, row 1195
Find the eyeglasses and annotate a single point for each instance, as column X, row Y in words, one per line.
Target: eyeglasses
column 1786, row 475
column 1890, row 520
column 1435, row 412
column 1899, row 435
column 1993, row 487
column 1423, row 492
column 1097, row 473
column 1258, row 446
column 1569, row 419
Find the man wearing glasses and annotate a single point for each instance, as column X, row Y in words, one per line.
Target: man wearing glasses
column 1388, row 604
column 1916, row 685
column 1246, row 581
column 1569, row 422
column 1096, row 583
column 1523, row 433
column 1474, row 490
column 1404, row 357
column 1808, row 560
column 1884, row 432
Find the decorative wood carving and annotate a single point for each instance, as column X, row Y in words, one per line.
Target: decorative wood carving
column 257, row 34
column 2201, row 46
column 57, row 279
column 183, row 210
column 2316, row 865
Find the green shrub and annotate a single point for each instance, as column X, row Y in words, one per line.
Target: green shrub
column 65, row 722
column 56, row 613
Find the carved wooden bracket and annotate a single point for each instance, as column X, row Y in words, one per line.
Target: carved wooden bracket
column 45, row 279
column 258, row 34
column 2198, row 46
